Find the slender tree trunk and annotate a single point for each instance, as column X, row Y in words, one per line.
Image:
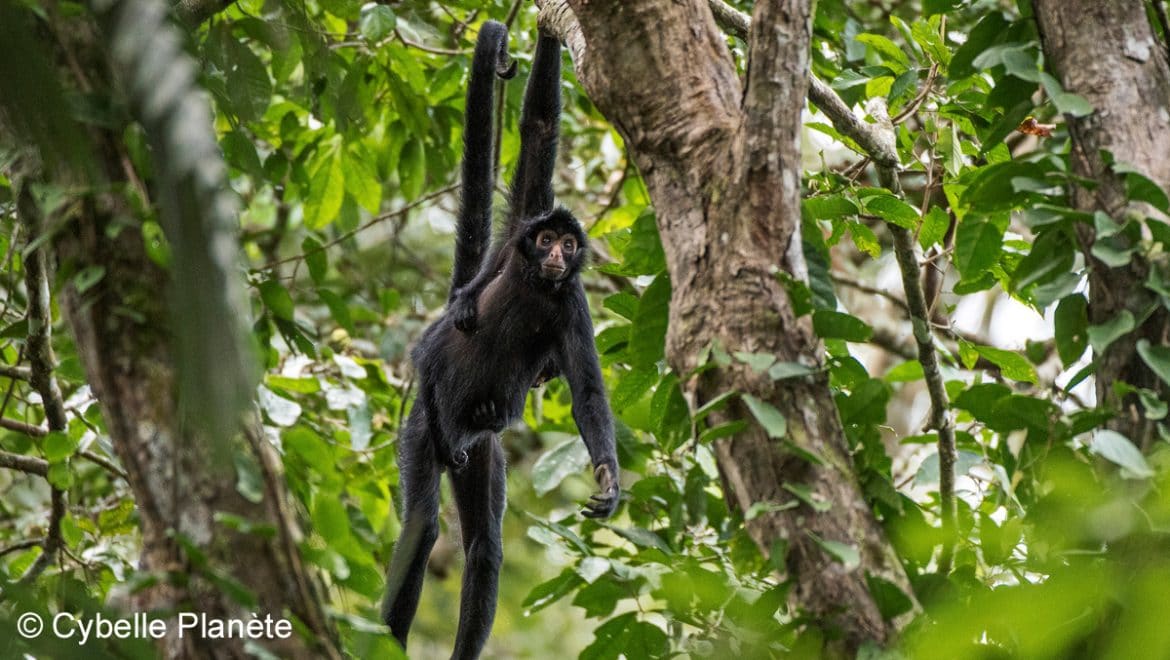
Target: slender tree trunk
column 1107, row 52
column 721, row 160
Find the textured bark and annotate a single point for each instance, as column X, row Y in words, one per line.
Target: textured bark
column 1107, row 53
column 121, row 330
column 722, row 163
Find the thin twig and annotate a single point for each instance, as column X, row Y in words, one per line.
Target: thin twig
column 434, row 50
column 919, row 98
column 53, row 539
column 350, row 234
column 21, row 545
column 103, row 463
column 512, row 12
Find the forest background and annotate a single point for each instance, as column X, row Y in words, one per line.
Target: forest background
column 890, row 369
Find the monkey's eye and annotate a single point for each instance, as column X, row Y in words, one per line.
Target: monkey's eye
column 570, row 245
column 545, row 239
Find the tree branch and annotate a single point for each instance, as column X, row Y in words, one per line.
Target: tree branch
column 22, row 427
column 22, row 463
column 15, row 372
column 877, row 139
column 39, row 348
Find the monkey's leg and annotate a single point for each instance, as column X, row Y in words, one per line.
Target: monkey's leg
column 418, row 474
column 480, row 496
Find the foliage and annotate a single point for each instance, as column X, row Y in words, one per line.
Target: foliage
column 341, row 127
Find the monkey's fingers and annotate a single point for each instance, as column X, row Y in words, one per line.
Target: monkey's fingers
column 601, row 505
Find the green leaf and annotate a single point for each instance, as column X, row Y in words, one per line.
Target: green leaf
column 277, row 299
column 1118, row 449
column 978, row 243
column 893, row 210
column 625, row 636
column 827, row 207
column 640, row 537
column 648, row 332
column 809, row 496
column 1071, row 322
column 547, row 593
column 889, row 51
column 326, row 191
column 1101, row 336
column 669, row 414
column 784, row 370
column 1013, row 365
column 890, row 600
column 830, row 324
column 1157, row 358
column 316, row 259
column 376, row 22
column 412, row 169
column 600, row 599
column 990, row 29
column 624, row 304
column 934, row 227
column 361, row 181
column 248, row 85
column 845, row 553
column 338, row 309
column 759, row 362
column 58, row 446
column 768, row 416
column 632, row 385
column 569, row 456
column 330, row 519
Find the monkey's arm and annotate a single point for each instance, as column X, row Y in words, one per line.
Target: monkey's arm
column 578, row 359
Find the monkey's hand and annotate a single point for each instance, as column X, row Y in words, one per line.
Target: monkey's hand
column 484, row 416
column 463, row 311
column 603, row 504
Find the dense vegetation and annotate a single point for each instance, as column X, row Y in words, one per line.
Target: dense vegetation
column 1040, row 530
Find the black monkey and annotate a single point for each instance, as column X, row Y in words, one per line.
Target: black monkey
column 516, row 318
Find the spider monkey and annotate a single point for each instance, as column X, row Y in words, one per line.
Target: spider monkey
column 515, row 317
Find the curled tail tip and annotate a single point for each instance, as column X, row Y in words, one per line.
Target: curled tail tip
column 506, row 67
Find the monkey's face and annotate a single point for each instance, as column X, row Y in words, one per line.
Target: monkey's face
column 554, row 246
column 555, row 252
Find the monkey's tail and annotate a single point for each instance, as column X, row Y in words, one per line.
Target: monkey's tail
column 473, row 234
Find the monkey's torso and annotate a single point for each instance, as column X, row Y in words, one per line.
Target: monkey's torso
column 518, row 334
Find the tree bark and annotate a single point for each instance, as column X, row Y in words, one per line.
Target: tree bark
column 1107, row 52
column 722, row 163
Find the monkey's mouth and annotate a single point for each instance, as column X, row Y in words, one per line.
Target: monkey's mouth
column 552, row 272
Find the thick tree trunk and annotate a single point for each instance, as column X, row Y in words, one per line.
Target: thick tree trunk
column 722, row 164
column 1107, row 53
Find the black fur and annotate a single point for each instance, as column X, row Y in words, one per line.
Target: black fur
column 516, row 318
